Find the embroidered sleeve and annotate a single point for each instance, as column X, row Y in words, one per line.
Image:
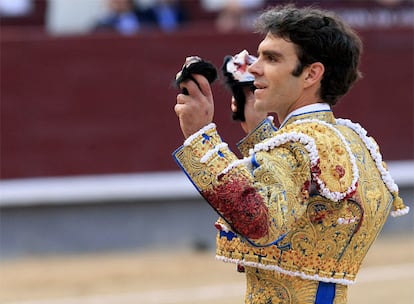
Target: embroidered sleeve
column 283, row 176
column 244, row 192
column 225, row 182
column 264, row 130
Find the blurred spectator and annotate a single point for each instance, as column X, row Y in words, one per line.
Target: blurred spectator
column 358, row 3
column 23, row 13
column 121, row 18
column 366, row 13
column 377, row 14
column 391, row 3
column 15, row 8
column 234, row 14
column 166, row 15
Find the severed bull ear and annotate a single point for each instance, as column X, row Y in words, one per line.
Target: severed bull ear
column 237, row 77
column 195, row 65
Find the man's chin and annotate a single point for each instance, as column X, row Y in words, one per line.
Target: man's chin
column 259, row 106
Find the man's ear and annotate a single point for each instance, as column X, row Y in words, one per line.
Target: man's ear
column 314, row 73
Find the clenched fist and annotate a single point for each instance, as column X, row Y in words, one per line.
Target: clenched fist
column 196, row 109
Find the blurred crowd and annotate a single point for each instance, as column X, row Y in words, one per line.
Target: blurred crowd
column 128, row 17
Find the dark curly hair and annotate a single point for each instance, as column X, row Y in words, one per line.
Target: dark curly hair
column 319, row 36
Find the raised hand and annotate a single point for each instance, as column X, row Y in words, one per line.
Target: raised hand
column 196, row 109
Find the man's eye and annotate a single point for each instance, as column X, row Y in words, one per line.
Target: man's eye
column 272, row 58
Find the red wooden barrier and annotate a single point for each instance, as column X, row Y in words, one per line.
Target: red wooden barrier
column 104, row 104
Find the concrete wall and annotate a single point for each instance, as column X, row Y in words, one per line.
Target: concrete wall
column 123, row 226
column 129, row 219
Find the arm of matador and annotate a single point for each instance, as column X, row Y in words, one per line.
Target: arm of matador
column 257, row 195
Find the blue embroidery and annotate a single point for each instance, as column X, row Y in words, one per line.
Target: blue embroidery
column 255, row 164
column 228, row 235
column 206, row 138
column 325, row 293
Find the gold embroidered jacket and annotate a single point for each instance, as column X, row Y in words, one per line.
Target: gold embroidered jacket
column 307, row 200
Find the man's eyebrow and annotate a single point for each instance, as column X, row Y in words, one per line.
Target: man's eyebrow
column 271, row 53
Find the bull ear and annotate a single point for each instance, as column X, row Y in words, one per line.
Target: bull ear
column 196, row 65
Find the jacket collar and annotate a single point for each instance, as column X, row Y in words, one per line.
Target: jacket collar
column 321, row 111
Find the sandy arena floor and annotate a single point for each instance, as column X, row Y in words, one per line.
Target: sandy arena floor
column 183, row 277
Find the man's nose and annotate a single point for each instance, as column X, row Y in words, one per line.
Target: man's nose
column 252, row 69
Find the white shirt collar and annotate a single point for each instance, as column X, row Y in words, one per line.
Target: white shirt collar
column 315, row 107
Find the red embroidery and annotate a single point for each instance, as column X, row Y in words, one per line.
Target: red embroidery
column 242, row 207
column 305, row 191
column 218, row 227
column 352, row 193
column 340, row 170
column 316, row 170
